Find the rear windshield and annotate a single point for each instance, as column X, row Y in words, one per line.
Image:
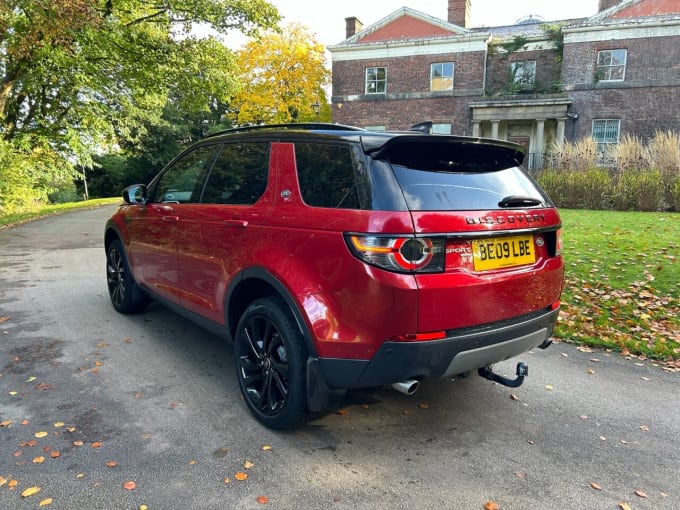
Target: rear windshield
column 440, row 177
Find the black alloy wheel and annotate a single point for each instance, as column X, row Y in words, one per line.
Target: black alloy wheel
column 124, row 297
column 270, row 364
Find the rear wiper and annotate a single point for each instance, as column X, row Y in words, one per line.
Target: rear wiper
column 519, row 201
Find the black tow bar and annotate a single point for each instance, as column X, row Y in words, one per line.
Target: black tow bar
column 522, row 372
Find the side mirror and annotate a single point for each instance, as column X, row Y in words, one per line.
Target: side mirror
column 135, row 194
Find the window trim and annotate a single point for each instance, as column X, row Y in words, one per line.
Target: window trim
column 443, row 76
column 610, row 66
column 376, row 80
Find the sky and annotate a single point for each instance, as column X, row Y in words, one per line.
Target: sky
column 326, row 19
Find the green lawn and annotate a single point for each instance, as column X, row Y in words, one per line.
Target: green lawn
column 622, row 285
column 9, row 220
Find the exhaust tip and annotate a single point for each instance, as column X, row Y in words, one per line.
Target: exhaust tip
column 407, row 387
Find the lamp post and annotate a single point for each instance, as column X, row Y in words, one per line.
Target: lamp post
column 316, row 106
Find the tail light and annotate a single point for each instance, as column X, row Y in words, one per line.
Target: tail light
column 558, row 243
column 401, row 254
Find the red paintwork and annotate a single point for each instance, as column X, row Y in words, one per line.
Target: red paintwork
column 646, row 8
column 350, row 308
column 406, row 27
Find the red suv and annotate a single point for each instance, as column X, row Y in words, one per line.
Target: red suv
column 334, row 257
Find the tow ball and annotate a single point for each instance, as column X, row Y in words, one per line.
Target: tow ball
column 522, row 372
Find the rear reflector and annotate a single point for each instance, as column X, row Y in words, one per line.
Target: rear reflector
column 420, row 337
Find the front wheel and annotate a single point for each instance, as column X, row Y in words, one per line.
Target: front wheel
column 125, row 298
column 270, row 364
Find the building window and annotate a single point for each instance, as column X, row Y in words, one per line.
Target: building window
column 441, row 129
column 523, row 74
column 611, row 65
column 606, row 133
column 441, row 76
column 376, row 80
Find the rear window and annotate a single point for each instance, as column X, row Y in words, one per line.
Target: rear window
column 448, row 176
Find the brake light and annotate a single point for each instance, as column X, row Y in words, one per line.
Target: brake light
column 400, row 253
column 558, row 243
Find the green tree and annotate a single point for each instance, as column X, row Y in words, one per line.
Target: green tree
column 76, row 75
column 284, row 74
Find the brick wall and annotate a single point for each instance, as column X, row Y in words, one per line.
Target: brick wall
column 548, row 70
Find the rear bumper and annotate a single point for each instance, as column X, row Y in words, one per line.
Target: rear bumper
column 461, row 352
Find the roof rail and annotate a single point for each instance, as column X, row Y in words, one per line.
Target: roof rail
column 310, row 126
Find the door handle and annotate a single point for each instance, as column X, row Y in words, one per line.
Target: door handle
column 235, row 223
column 171, row 219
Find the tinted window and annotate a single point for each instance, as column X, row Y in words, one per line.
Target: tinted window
column 440, row 176
column 328, row 175
column 183, row 181
column 239, row 175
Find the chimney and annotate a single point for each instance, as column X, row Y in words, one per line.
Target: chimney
column 606, row 4
column 459, row 12
column 352, row 26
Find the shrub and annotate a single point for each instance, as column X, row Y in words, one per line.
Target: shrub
column 639, row 190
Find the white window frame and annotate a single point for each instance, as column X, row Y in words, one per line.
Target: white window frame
column 610, row 130
column 441, row 76
column 375, row 80
column 524, row 73
column 441, row 129
column 610, row 62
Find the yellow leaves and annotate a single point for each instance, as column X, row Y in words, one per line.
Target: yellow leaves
column 27, row 493
column 59, row 424
column 41, row 434
column 266, row 448
column 549, row 387
column 39, row 460
column 247, row 464
column 624, row 506
column 45, row 502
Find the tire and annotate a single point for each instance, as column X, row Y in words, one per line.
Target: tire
column 270, row 364
column 125, row 296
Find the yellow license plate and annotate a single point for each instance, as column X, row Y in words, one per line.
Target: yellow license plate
column 500, row 252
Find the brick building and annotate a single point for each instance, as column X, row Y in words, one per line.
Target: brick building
column 534, row 83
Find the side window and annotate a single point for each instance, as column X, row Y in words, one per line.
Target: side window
column 239, row 175
column 182, row 182
column 327, row 175
column 376, row 80
column 441, row 76
column 611, row 65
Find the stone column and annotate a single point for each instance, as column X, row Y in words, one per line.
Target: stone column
column 494, row 128
column 538, row 158
column 560, row 131
column 475, row 128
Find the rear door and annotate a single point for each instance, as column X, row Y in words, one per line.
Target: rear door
column 220, row 232
column 500, row 231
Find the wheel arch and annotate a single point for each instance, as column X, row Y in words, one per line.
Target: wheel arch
column 254, row 283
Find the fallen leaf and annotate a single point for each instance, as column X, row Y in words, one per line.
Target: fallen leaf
column 111, row 464
column 424, row 406
column 645, row 378
column 97, row 444
column 3, row 319
column 596, row 486
column 192, row 462
column 143, row 507
column 127, row 340
column 12, row 483
column 247, row 464
column 241, row 476
column 130, row 486
column 603, row 438
column 102, row 344
column 591, row 371
column 59, row 424
column 27, row 493
column 491, row 505
column 31, row 379
column 226, row 480
column 55, row 454
column 549, row 387
column 663, row 494
column 80, row 475
column 583, row 417
column 12, row 393
column 530, row 441
column 5, row 423
column 94, row 371
column 3, row 480
column 513, row 397
column 24, row 422
column 43, row 386
column 98, row 364
column 40, row 434
column 624, row 506
column 342, row 412
column 640, row 493
column 521, row 475
column 77, row 443
column 39, row 460
column 262, row 500
column 45, row 502
column 644, row 428
column 266, row 448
